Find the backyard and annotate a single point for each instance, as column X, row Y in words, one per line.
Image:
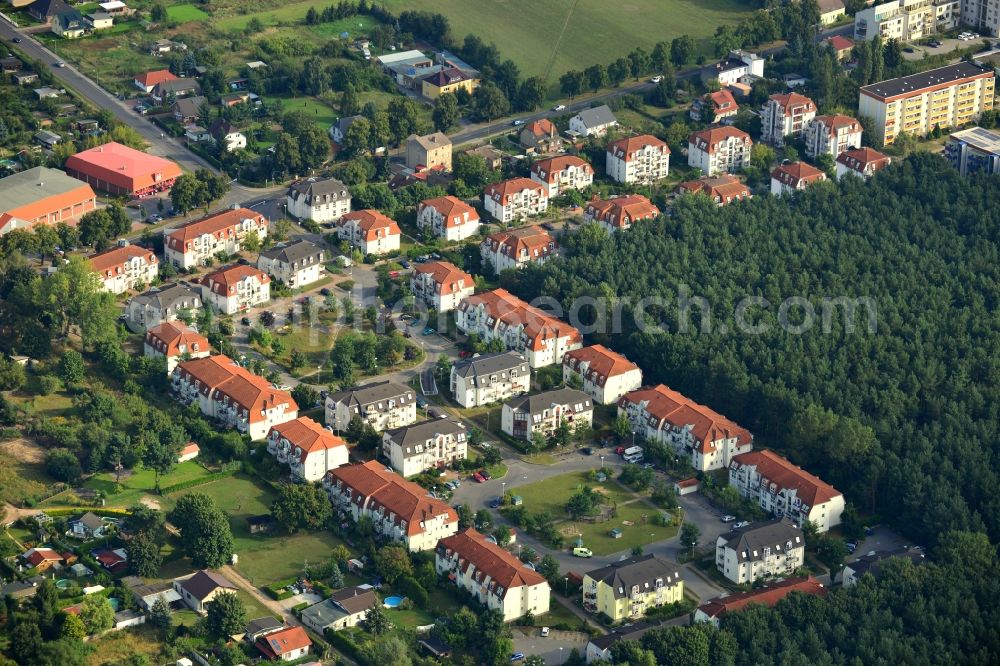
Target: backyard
column 132, row 485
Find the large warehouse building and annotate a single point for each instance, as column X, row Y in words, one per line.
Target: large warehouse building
column 118, row 169
column 42, row 196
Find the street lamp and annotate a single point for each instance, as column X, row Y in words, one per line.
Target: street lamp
column 503, row 491
column 566, row 589
column 561, row 655
column 602, row 462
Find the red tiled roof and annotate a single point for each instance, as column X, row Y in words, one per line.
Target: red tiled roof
column 123, row 167
column 706, row 140
column 307, row 435
column 723, row 101
column 860, row 158
column 538, row 327
column 836, row 122
column 220, row 225
column 274, row 645
column 369, row 222
column 603, row 362
column 687, row 483
column 452, row 209
column 668, row 407
column 169, row 337
column 505, row 189
column 489, row 559
column 766, row 596
column 621, row 211
column 625, row 149
column 549, row 168
column 150, row 79
column 541, row 128
column 793, row 173
column 37, row 556
column 223, row 281
column 190, row 448
column 790, row 102
column 840, row 43
column 445, row 275
column 721, row 188
column 220, row 377
column 533, row 240
column 809, row 488
column 105, row 262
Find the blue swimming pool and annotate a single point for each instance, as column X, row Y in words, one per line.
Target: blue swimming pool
column 115, row 603
column 393, row 601
column 63, row 583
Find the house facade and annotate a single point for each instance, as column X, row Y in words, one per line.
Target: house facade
column 236, row 288
column 288, row 644
column 175, row 341
column 738, row 67
column 515, row 199
column 619, row 213
column 723, row 190
column 518, row 247
column 125, row 267
column 639, row 159
column 161, row 305
column 785, row 115
column 296, row 264
column 432, row 444
column 448, row 217
column 490, row 378
column 344, row 609
column 493, row 576
column 318, row 199
column 562, row 173
column 719, row 150
column 630, row 587
column 429, row 153
column 309, row 449
column 863, row 162
column 441, row 285
column 369, row 231
column 975, row 150
column 593, row 122
column 199, row 589
column 383, row 405
column 540, row 136
column 715, row 609
column 831, row 135
column 192, row 244
column 605, row 375
column 785, row 490
column 720, row 104
column 709, row 439
column 544, row 412
column 794, row 176
column 766, row 550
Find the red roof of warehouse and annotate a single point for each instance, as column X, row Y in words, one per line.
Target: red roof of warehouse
column 123, row 167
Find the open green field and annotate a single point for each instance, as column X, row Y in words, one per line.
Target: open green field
column 134, row 485
column 22, row 475
column 320, row 112
column 552, row 494
column 185, row 13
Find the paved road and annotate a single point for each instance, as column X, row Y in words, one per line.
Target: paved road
column 554, row 648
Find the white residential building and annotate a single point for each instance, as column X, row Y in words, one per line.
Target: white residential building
column 785, row 115
column 719, row 150
column 236, row 288
column 441, row 285
column 309, row 449
column 192, row 244
column 544, row 412
column 384, row 405
column 593, row 122
column 562, row 173
column 518, row 247
column 433, row 444
column 448, row 217
column 619, row 213
column 515, row 199
column 318, row 199
column 642, row 159
column 909, row 20
column 606, row 375
column 174, row 342
column 862, row 162
column 738, row 67
column 794, row 176
column 832, row 135
column 489, row 378
column 296, row 264
column 160, row 305
column 369, row 231
column 766, row 550
column 125, row 267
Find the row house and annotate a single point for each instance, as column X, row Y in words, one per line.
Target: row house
column 382, row 405
column 562, row 173
column 441, row 285
column 233, row 395
column 723, row 190
column 433, row 444
column 629, row 588
column 794, row 176
column 768, row 550
column 719, row 150
column 318, row 199
column 161, row 305
column 493, row 576
column 715, row 609
column 619, row 213
column 236, row 288
column 863, row 162
column 515, row 199
column 399, row 510
column 542, row 339
column 489, row 378
column 708, row 438
column 175, row 341
column 125, row 267
column 369, row 231
column 517, row 247
column 605, row 375
column 831, row 135
column 785, row 115
column 193, row 244
column 309, row 449
column 720, row 104
column 642, row 160
column 448, row 218
column 296, row 264
column 784, row 490
column 543, row 413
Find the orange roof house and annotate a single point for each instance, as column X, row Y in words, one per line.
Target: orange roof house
column 862, row 161
column 521, row 245
column 794, row 176
column 708, row 140
column 548, row 170
column 723, row 189
column 118, row 169
column 284, row 645
column 42, row 196
column 780, row 472
column 149, row 80
column 506, row 189
column 222, row 225
column 174, row 340
column 625, row 148
column 452, row 209
column 766, row 596
column 445, row 276
column 606, row 375
column 723, row 106
column 369, row 223
column 619, row 213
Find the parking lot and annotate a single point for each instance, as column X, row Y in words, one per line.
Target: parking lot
column 554, row 648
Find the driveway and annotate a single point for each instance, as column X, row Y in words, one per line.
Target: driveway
column 267, row 602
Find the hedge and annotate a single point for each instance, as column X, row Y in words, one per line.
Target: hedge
column 81, row 510
column 340, row 641
column 209, row 478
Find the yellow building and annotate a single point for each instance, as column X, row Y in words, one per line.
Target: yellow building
column 448, row 80
column 626, row 589
column 948, row 96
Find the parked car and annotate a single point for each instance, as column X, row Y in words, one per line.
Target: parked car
column 656, row 79
column 742, row 523
column 394, row 274
column 580, row 551
column 517, row 123
column 495, row 503
column 478, row 478
column 17, row 40
column 324, row 292
column 60, row 63
column 545, row 632
column 245, row 321
column 517, row 656
column 421, row 259
column 404, row 263
column 435, row 255
column 559, row 107
column 428, row 331
column 464, row 354
column 728, row 519
column 486, row 475
column 851, row 547
column 421, row 402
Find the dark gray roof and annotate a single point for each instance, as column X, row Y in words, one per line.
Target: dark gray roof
column 177, row 85
column 630, row 632
column 294, row 251
column 643, row 571
column 69, row 19
column 189, row 106
column 48, row 7
column 532, row 404
column 354, row 599
column 490, row 364
column 599, row 115
column 167, row 296
column 21, row 588
column 122, row 616
column 932, row 77
column 873, row 562
column 323, row 614
column 330, row 189
column 204, row 582
column 749, row 543
column 90, row 520
column 419, row 433
column 372, row 394
column 26, row 187
column 344, row 123
column 266, row 623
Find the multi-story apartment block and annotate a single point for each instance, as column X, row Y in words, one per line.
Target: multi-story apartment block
column 174, row 342
column 785, row 115
column 517, row 247
column 318, row 199
column 515, row 199
column 544, row 412
column 794, row 176
column 768, row 550
column 724, row 189
column 369, row 231
column 542, row 339
column 619, row 213
column 449, row 218
column 832, row 135
column 628, row 588
column 191, row 245
column 428, row 153
column 493, row 576
column 708, row 438
column 724, row 108
column 974, row 150
column 309, row 449
column 441, row 285
column 605, row 375
column 562, row 173
column 233, row 395
column 399, row 509
column 125, row 267
column 786, row 490
column 296, row 264
column 862, row 162
column 432, row 444
column 383, row 405
column 236, row 288
column 719, row 150
column 482, row 380
column 160, row 305
column 907, row 20
column 982, row 16
column 639, row 159
column 948, row 96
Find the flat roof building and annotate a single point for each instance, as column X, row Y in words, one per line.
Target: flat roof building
column 42, row 196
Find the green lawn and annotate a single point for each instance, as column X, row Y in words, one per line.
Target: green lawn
column 439, row 602
column 552, row 494
column 321, row 113
column 137, row 484
column 597, row 536
column 185, row 13
column 22, row 476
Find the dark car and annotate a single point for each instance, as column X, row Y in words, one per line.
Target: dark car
column 586, row 451
column 324, row 292
column 245, row 321
column 404, row 263
column 17, row 40
column 483, row 473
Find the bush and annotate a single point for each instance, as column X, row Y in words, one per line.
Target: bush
column 413, row 590
column 47, row 384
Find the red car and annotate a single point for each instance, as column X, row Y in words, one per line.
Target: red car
column 620, row 450
column 478, row 478
column 463, row 354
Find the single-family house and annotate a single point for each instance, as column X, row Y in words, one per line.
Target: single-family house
column 448, row 80
column 47, row 139
column 428, row 153
column 490, row 155
column 540, row 136
column 872, row 562
column 226, row 135
column 344, row 609
column 200, row 588
column 41, row 559
column 69, row 24
column 842, row 46
column 147, row 594
column 284, row 645
column 737, row 67
column 599, row 647
column 98, row 21
column 715, row 108
column 187, row 110
column 165, row 91
column 831, row 11
column 593, row 122
column 46, row 10
column 262, row 626
column 149, row 80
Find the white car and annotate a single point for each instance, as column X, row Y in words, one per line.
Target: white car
column 656, row 79
column 728, row 519
column 559, row 107
column 742, row 523
column 545, row 632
